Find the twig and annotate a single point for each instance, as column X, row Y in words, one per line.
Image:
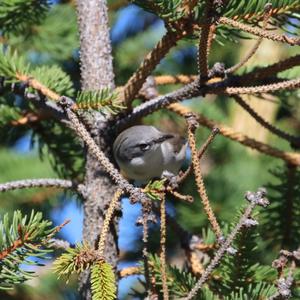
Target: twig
column 267, row 14
column 29, row 117
column 254, row 199
column 200, row 154
column 260, row 32
column 275, row 12
column 59, row 244
column 222, row 87
column 145, row 212
column 188, row 5
column 284, row 286
column 271, row 70
column 108, row 216
column 287, row 85
column 32, row 82
column 198, row 177
column 203, row 48
column 27, row 239
column 290, row 157
column 163, row 233
column 130, row 271
column 290, row 138
column 137, row 80
column 186, row 92
column 34, row 183
column 186, row 198
column 174, row 79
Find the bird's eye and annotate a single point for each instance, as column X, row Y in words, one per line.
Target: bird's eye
column 144, row 146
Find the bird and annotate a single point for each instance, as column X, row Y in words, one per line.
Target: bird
column 144, row 153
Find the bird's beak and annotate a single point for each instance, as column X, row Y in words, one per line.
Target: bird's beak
column 164, row 138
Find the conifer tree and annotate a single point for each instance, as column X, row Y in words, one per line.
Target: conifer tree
column 73, row 121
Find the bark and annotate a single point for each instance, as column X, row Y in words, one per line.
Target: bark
column 96, row 73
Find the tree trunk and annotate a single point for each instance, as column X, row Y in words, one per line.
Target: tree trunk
column 96, row 73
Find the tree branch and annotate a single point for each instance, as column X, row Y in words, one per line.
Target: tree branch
column 34, row 183
column 254, row 199
column 290, row 157
column 137, row 80
column 295, row 141
column 260, row 32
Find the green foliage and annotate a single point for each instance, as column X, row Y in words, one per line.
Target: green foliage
column 19, row 166
column 82, row 257
column 55, row 38
column 154, row 189
column 8, row 114
column 65, row 150
column 239, row 270
column 60, row 146
column 257, row 291
column 103, row 281
column 105, row 100
column 255, row 9
column 165, row 9
column 17, row 15
column 11, row 63
column 69, row 262
column 281, row 222
column 21, row 237
column 180, row 282
column 55, row 79
column 247, row 11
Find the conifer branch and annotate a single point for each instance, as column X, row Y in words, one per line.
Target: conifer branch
column 255, row 199
column 255, row 75
column 103, row 281
column 200, row 154
column 47, row 105
column 75, row 260
column 192, row 125
column 13, row 19
column 35, row 84
column 108, row 217
column 290, row 157
column 282, row 85
column 194, row 89
column 59, row 244
column 129, row 271
column 260, row 32
column 174, row 79
column 145, row 219
column 203, row 48
column 163, row 233
column 137, row 80
column 269, row 71
column 188, row 6
column 284, row 286
column 295, row 141
column 185, row 198
column 34, row 183
column 186, row 92
column 275, row 12
column 249, row 55
column 22, row 237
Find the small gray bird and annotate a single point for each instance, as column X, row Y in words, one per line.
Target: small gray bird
column 143, row 153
